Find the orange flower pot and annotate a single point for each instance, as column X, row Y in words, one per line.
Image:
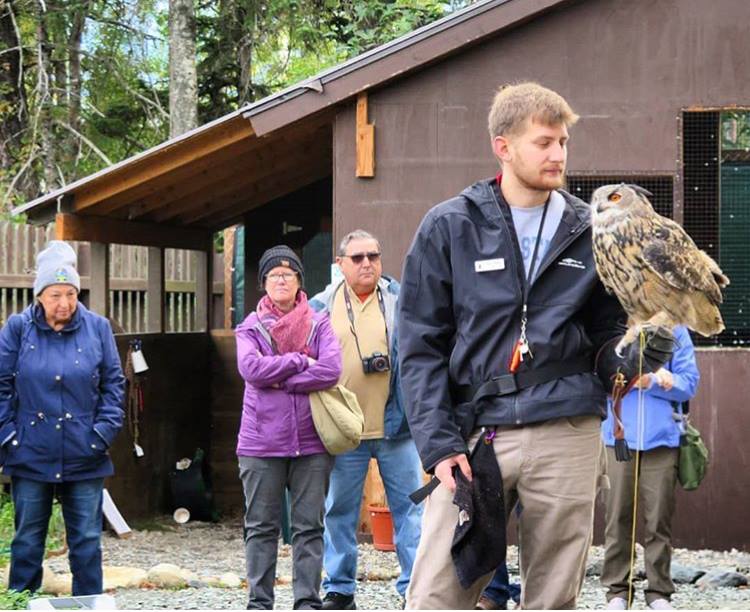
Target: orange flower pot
column 382, row 527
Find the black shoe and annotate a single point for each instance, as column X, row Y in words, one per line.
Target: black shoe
column 338, row 601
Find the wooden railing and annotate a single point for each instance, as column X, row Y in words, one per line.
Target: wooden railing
column 128, row 298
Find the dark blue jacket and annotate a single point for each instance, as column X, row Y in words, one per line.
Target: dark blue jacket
column 459, row 326
column 61, row 396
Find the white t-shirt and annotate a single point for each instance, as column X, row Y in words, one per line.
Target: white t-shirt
column 527, row 220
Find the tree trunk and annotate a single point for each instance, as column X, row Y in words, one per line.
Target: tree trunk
column 44, row 103
column 77, row 24
column 245, row 52
column 13, row 110
column 183, row 78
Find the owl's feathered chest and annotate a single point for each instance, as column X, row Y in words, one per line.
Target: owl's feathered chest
column 618, row 253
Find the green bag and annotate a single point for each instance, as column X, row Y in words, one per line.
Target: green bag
column 338, row 418
column 693, row 458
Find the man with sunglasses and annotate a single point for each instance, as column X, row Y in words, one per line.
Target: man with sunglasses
column 362, row 308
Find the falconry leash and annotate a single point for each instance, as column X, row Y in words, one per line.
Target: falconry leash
column 636, row 467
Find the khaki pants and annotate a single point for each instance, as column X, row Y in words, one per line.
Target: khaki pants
column 656, row 488
column 552, row 469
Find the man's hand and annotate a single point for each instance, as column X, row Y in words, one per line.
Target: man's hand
column 644, row 382
column 664, row 379
column 444, row 470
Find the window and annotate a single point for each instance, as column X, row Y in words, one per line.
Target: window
column 716, row 193
column 180, row 290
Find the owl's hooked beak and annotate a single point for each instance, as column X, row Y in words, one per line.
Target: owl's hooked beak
column 601, row 204
column 598, row 206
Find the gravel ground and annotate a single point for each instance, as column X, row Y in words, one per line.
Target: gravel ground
column 215, row 549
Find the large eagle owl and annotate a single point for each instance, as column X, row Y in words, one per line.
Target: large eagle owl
column 652, row 265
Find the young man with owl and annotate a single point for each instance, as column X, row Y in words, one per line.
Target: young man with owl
column 502, row 316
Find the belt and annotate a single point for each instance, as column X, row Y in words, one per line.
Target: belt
column 506, row 385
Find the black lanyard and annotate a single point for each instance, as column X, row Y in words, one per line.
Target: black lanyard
column 350, row 314
column 530, row 276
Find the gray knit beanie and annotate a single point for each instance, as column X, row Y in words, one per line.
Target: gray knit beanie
column 56, row 265
column 280, row 255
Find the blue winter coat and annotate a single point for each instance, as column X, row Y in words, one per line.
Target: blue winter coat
column 61, row 396
column 656, row 425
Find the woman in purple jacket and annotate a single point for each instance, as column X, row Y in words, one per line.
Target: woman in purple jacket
column 284, row 351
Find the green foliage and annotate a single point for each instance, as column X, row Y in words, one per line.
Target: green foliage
column 55, row 128
column 280, row 42
column 11, row 600
column 6, row 527
column 735, row 130
column 356, row 27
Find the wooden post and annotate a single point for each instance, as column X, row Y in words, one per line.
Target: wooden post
column 155, row 291
column 99, row 290
column 203, row 290
column 365, row 140
column 228, row 275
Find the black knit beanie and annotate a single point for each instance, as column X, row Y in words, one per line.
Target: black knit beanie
column 280, row 255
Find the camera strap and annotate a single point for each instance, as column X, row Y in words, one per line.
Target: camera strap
column 350, row 314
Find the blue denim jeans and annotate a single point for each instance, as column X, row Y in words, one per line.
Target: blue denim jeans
column 500, row 590
column 401, row 471
column 82, row 511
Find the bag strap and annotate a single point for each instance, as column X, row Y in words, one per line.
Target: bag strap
column 508, row 384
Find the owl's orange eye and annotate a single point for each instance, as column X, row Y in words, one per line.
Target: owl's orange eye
column 614, row 197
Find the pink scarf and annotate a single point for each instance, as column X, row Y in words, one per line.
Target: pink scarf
column 288, row 330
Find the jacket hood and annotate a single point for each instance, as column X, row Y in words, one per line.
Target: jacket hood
column 324, row 299
column 483, row 196
column 35, row 313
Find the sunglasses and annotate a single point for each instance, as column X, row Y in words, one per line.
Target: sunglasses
column 358, row 258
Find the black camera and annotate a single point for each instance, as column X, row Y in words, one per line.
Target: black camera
column 377, row 362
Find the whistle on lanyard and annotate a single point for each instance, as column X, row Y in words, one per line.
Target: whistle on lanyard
column 521, row 350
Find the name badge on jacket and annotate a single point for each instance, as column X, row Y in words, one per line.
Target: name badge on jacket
column 488, row 265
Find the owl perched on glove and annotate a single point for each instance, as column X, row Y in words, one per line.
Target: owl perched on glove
column 653, row 267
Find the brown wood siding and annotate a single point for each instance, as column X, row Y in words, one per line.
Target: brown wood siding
column 175, row 421
column 715, row 515
column 626, row 67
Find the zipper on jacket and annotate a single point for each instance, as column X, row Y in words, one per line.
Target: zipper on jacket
column 295, row 424
column 517, row 261
column 516, row 419
column 266, row 336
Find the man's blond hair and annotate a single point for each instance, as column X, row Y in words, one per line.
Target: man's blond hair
column 514, row 104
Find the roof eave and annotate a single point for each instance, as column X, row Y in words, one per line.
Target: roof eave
column 329, row 87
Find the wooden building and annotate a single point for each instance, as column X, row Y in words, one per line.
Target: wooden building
column 662, row 89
